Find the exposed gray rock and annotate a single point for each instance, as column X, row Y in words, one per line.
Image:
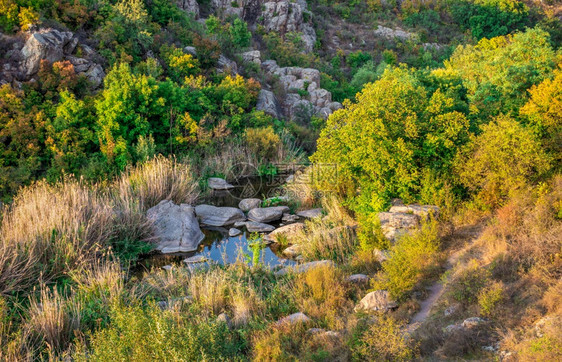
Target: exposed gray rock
column 232, row 232
column 294, row 319
column 310, row 214
column 189, row 6
column 268, row 104
column 358, row 279
column 267, row 214
column 249, row 204
column 196, row 259
column 175, row 227
column 379, row 300
column 283, row 16
column 390, row 33
column 450, row 310
column 225, row 65
column 258, row 227
column 252, row 56
column 47, row 44
column 473, row 322
column 190, row 50
column 420, row 210
column 217, row 183
column 218, row 216
column 301, row 268
column 226, row 8
column 381, row 255
column 290, row 218
column 167, row 267
column 224, row 318
column 401, row 219
column 93, row 72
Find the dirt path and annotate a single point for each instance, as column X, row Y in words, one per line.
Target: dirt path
column 470, row 234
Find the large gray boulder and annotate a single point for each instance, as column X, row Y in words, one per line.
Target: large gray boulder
column 93, row 72
column 267, row 214
column 218, row 216
column 175, row 227
column 401, row 219
column 252, row 56
column 379, row 300
column 47, row 44
column 288, row 233
column 310, row 214
column 268, row 104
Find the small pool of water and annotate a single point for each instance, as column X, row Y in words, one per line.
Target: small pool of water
column 219, row 248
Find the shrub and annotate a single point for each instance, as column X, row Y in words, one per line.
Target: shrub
column 466, row 285
column 263, row 142
column 384, row 340
column 490, row 299
column 501, row 160
column 413, row 258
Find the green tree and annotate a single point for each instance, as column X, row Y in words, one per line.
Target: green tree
column 499, row 161
column 497, row 72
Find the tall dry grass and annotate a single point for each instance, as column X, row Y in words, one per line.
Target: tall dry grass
column 329, row 237
column 50, row 230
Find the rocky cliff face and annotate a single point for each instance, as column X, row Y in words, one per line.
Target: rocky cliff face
column 280, row 16
column 22, row 62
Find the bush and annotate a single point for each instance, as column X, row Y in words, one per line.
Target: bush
column 490, row 299
column 384, row 341
column 263, row 142
column 413, row 258
column 501, row 160
column 466, row 285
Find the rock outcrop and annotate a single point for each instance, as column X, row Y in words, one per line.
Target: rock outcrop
column 304, row 97
column 401, row 219
column 189, row 6
column 175, row 227
column 50, row 45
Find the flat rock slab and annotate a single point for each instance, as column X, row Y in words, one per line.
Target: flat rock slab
column 301, row 268
column 175, row 227
column 290, row 218
column 287, row 232
column 249, row 204
column 195, row 259
column 267, row 214
column 379, row 300
column 259, row 227
column 217, row 183
column 310, row 214
column 294, row 319
column 218, row 216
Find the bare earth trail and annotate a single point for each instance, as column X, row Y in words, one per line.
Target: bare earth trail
column 466, row 234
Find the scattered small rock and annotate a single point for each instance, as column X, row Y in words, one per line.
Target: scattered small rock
column 290, row 218
column 450, row 310
column 294, row 318
column 258, row 227
column 224, row 318
column 358, row 279
column 473, row 322
column 301, row 268
column 234, row 232
column 217, row 183
column 293, row 250
column 195, row 259
column 379, row 300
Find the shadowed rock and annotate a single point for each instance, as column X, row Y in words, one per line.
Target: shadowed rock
column 175, row 227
